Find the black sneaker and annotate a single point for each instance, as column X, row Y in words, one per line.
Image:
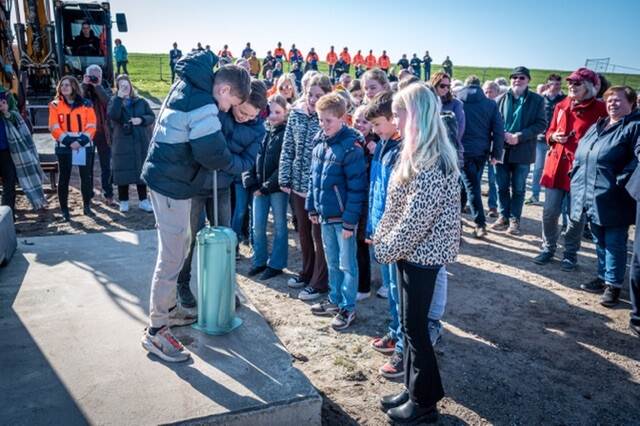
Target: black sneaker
column 635, row 327
column 296, row 282
column 543, row 258
column 594, row 286
column 568, row 265
column 586, row 234
column 256, row 270
column 611, row 297
column 270, row 273
column 87, row 211
column 310, row 293
column 66, row 217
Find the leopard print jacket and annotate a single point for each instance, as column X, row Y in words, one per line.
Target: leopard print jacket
column 421, row 221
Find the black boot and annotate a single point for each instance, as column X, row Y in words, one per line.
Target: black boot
column 392, row 401
column 66, row 217
column 412, row 413
column 87, row 211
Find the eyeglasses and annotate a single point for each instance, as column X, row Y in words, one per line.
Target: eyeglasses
column 444, row 86
column 518, row 77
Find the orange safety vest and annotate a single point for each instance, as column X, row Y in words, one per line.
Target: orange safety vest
column 384, row 62
column 345, row 57
column 279, row 52
column 64, row 119
column 370, row 61
column 312, row 57
column 358, row 60
column 332, row 58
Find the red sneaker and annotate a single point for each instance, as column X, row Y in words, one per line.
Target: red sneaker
column 384, row 345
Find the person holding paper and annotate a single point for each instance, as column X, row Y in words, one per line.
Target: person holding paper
column 72, row 123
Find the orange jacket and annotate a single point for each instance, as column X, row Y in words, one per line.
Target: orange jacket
column 312, row 57
column 296, row 52
column 332, row 58
column 384, row 62
column 358, row 59
column 345, row 57
column 227, row 52
column 370, row 61
column 66, row 120
column 279, row 52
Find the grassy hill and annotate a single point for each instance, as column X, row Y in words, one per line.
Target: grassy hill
column 151, row 74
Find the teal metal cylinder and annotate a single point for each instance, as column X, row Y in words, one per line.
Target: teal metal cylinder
column 216, row 260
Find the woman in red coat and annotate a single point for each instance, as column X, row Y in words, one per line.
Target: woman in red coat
column 572, row 117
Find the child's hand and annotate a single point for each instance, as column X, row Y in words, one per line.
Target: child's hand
column 314, row 219
column 257, row 193
column 368, row 241
column 75, row 146
column 346, row 234
column 136, row 121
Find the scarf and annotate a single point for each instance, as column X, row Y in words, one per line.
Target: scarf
column 25, row 159
column 513, row 116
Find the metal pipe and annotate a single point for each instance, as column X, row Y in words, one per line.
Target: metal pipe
column 16, row 6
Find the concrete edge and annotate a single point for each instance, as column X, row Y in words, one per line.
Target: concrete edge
column 296, row 411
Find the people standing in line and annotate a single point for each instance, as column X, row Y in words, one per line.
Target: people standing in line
column 279, row 53
column 384, row 62
column 552, row 96
column 247, row 51
column 226, row 53
column 447, row 67
column 346, row 57
column 403, row 62
column 420, row 231
column 254, row 65
column 358, row 60
column 332, row 58
column 187, row 144
column 262, row 181
column 483, row 141
column 99, row 95
column 604, row 162
column 295, row 57
column 523, row 115
column 213, row 56
column 277, row 71
column 370, row 61
column 72, row 123
column 130, row 117
column 174, row 56
column 337, row 190
column 426, row 61
column 311, row 61
column 121, row 56
column 492, row 91
column 416, row 65
column 293, row 178
column 572, row 118
column 268, row 63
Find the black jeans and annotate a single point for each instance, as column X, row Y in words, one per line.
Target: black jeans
column 9, row 179
column 104, row 155
column 86, row 179
column 123, row 192
column 634, row 273
column 421, row 374
column 472, row 178
column 122, row 65
column 364, row 267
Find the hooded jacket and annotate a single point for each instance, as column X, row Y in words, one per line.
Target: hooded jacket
column 264, row 176
column 384, row 159
column 484, row 129
column 338, row 182
column 187, row 140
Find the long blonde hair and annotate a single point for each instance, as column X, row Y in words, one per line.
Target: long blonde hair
column 426, row 142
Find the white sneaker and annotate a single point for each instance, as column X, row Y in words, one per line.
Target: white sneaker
column 146, row 206
column 165, row 346
column 180, row 316
column 363, row 296
column 383, row 292
column 124, row 206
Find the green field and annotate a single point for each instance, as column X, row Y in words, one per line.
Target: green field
column 151, row 75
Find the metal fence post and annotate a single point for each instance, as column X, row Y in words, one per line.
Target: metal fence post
column 161, row 79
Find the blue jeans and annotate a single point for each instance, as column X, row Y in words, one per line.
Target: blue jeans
column 611, row 248
column 541, row 155
column 493, row 186
column 342, row 264
column 512, row 184
column 436, row 309
column 278, row 202
column 472, row 179
column 243, row 197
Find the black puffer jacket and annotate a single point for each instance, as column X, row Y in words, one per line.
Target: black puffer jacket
column 264, row 176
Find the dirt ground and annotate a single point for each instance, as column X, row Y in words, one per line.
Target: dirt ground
column 522, row 344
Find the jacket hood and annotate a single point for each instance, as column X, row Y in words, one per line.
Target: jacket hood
column 471, row 94
column 633, row 117
column 196, row 68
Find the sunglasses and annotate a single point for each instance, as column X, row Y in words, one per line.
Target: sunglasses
column 518, row 77
column 444, row 86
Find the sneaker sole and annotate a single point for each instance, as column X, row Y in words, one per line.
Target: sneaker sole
column 311, row 297
column 388, row 375
column 541, row 262
column 181, row 322
column 610, row 304
column 300, row 285
column 343, row 327
column 592, row 291
column 385, row 351
column 324, row 313
column 152, row 349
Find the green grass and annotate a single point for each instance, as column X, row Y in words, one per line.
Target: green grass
column 151, row 74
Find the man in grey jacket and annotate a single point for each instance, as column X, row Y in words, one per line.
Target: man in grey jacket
column 523, row 115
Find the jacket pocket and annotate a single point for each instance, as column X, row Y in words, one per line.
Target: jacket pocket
column 339, row 198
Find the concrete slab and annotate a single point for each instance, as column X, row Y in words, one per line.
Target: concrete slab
column 72, row 311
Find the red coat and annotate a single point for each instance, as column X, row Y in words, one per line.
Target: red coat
column 573, row 120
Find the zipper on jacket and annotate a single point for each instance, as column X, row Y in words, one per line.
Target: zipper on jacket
column 337, row 191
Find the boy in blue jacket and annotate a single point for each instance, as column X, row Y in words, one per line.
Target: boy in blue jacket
column 187, row 143
column 337, row 191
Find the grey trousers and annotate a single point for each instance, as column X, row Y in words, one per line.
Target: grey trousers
column 553, row 200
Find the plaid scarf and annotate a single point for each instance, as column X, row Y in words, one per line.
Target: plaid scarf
column 25, row 158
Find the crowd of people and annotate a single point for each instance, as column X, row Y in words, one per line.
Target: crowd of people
column 377, row 174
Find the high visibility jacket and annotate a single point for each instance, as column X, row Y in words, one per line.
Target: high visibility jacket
column 312, row 57
column 384, row 62
column 345, row 57
column 358, row 59
column 332, row 58
column 76, row 120
column 279, row 53
column 370, row 61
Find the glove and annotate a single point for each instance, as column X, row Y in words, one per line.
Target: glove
column 67, row 141
column 83, row 140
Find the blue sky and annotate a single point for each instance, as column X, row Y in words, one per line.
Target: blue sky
column 540, row 34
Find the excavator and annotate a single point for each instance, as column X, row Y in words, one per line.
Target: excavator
column 53, row 38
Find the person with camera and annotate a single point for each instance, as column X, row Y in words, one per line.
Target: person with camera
column 130, row 117
column 99, row 95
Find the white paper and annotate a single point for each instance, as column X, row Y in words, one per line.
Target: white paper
column 79, row 157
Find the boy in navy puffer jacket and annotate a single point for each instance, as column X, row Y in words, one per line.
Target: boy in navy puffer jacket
column 337, row 192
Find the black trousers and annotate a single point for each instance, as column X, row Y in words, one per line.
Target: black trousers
column 634, row 273
column 86, row 179
column 421, row 374
column 364, row 267
column 9, row 179
column 123, row 192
